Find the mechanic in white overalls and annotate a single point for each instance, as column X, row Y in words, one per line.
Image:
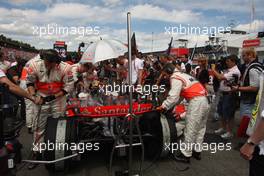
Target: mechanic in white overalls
column 187, row 87
column 49, row 80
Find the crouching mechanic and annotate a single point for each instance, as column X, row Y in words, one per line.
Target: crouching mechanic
column 186, row 86
column 49, row 80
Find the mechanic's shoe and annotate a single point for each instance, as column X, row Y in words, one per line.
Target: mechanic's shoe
column 219, row 131
column 182, row 158
column 197, row 155
column 36, row 156
column 227, row 135
column 30, row 131
column 32, row 166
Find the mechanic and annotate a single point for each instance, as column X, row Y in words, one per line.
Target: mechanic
column 186, row 86
column 30, row 110
column 49, row 80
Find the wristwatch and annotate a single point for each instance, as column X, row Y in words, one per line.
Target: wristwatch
column 249, row 141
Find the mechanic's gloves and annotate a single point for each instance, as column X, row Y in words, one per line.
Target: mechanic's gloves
column 48, row 99
column 160, row 109
column 39, row 100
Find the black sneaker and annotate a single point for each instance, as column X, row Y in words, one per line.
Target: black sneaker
column 197, row 155
column 182, row 158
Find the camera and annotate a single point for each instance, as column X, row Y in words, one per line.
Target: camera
column 233, row 81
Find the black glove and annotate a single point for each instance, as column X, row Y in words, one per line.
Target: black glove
column 48, row 98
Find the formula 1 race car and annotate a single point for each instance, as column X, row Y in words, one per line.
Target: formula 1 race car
column 97, row 125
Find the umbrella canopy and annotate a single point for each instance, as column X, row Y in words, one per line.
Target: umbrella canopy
column 103, row 50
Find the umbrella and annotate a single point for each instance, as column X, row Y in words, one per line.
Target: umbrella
column 103, row 50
